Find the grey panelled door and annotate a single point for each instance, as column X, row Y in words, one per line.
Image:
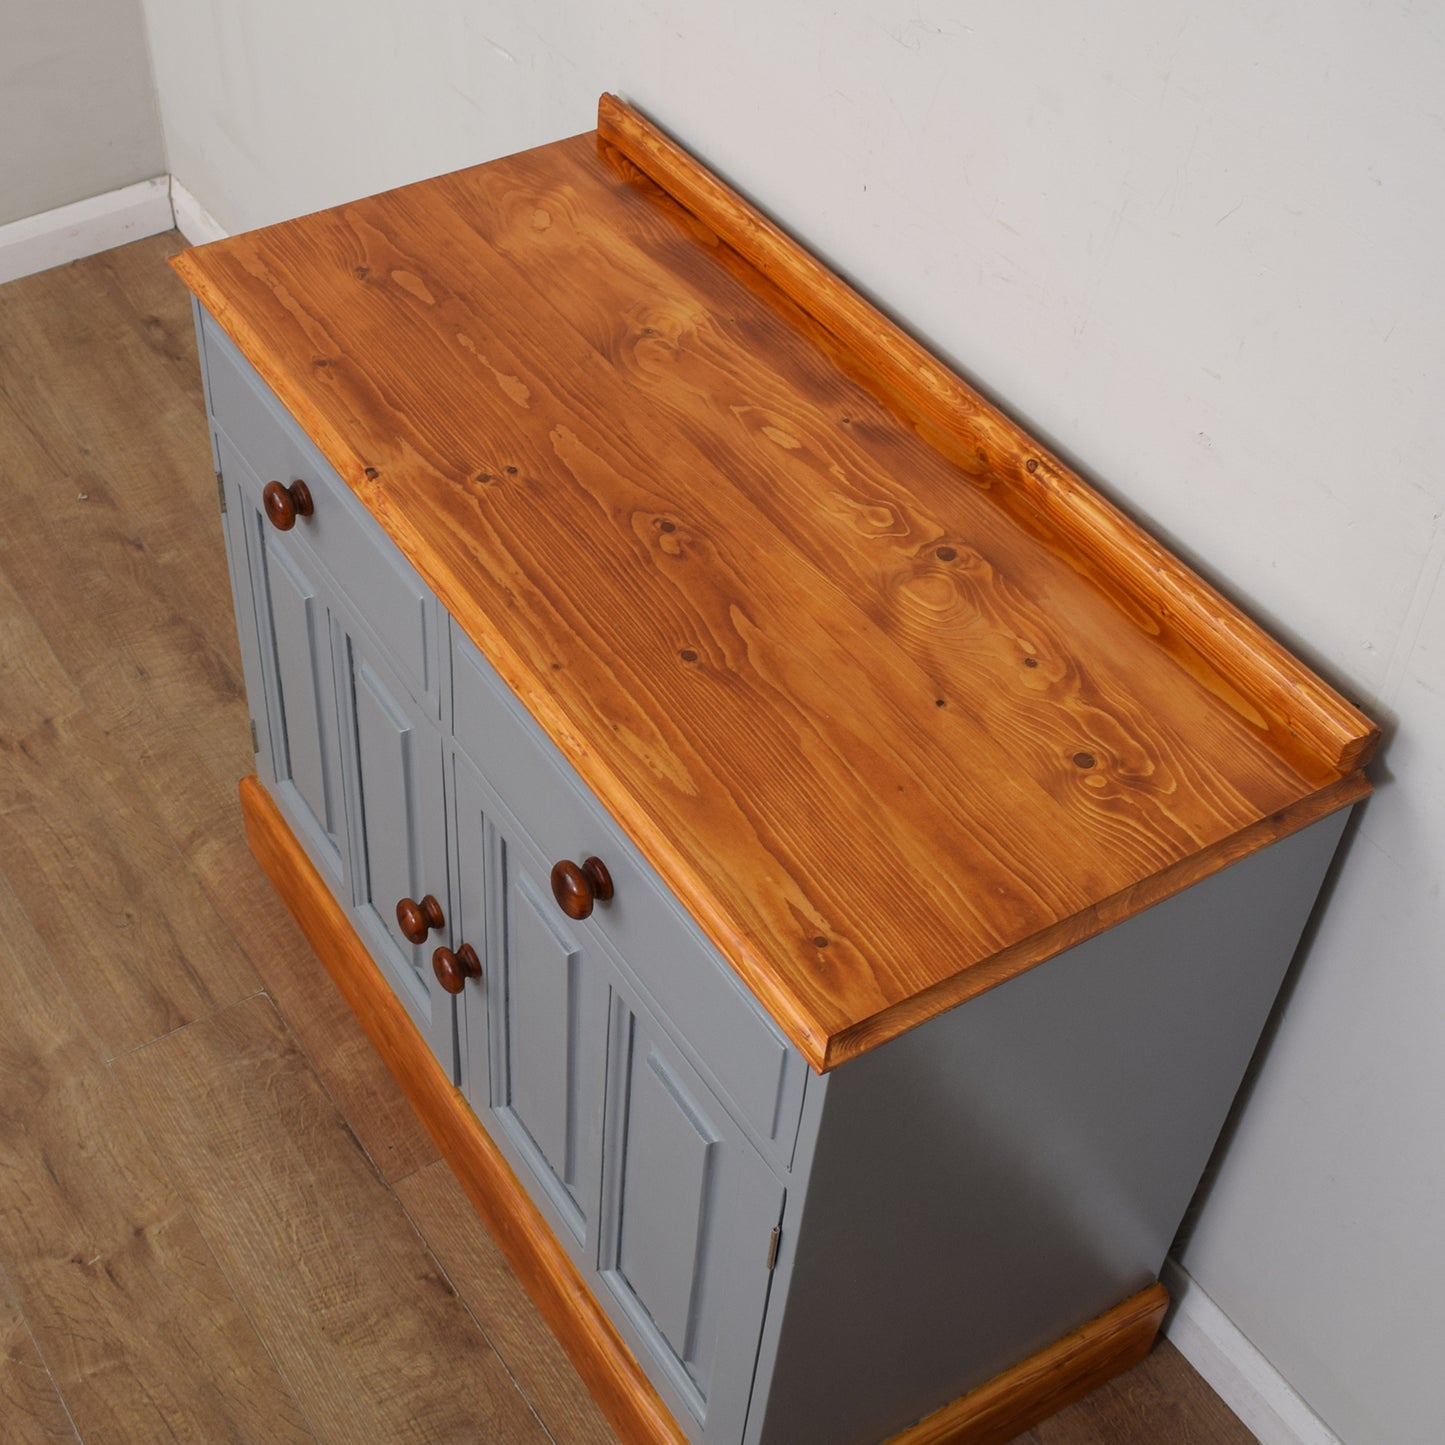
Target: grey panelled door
column 293, row 624
column 397, row 832
column 688, row 1212
column 546, row 1017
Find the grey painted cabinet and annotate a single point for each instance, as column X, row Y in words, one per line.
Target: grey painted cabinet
column 792, row 1258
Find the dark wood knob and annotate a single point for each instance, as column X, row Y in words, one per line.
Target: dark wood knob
column 577, row 889
column 454, row 969
column 284, row 504
column 416, row 920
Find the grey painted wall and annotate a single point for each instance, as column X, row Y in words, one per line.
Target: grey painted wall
column 1198, row 247
column 78, row 109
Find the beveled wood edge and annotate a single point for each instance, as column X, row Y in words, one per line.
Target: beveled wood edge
column 1045, row 1383
column 1299, row 709
column 1042, row 946
column 607, row 1367
column 334, row 445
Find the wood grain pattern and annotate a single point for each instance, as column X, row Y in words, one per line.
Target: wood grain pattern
column 139, row 944
column 30, row 1405
column 492, row 1292
column 1007, row 963
column 121, row 608
column 134, row 639
column 127, row 1304
column 376, row 1345
column 1044, row 699
column 888, row 746
column 1040, row 1386
column 1187, row 612
column 934, row 568
column 594, row 1347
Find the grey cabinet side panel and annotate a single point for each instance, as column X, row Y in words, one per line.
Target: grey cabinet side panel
column 301, row 640
column 1004, row 1173
column 544, row 985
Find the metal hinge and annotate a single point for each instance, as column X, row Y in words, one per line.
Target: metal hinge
column 774, row 1239
column 221, row 492
column 255, row 741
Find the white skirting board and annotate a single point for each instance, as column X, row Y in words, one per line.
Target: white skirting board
column 1262, row 1398
column 193, row 221
column 36, row 243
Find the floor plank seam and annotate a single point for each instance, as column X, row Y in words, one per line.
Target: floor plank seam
column 164, row 1165
column 461, row 1299
column 189, row 1023
column 11, row 1296
column 314, row 1064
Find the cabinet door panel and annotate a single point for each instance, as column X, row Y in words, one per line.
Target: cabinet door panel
column 669, row 1169
column 397, row 830
column 541, row 1042
column 292, row 619
column 386, row 752
column 688, row 1210
column 547, row 1028
column 301, row 637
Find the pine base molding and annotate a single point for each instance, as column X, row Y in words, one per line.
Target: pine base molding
column 1234, row 1369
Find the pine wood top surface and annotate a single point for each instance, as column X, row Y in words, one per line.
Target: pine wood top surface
column 872, row 713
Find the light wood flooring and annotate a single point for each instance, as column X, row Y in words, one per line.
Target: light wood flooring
column 218, row 1218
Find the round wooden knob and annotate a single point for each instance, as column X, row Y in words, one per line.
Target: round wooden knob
column 416, row 920
column 577, row 889
column 454, row 969
column 284, row 504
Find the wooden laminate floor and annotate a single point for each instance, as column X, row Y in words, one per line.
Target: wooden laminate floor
column 218, row 1218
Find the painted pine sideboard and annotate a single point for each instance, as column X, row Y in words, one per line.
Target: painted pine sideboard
column 818, row 869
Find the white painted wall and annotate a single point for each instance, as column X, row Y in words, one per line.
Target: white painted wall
column 1198, row 248
column 77, row 103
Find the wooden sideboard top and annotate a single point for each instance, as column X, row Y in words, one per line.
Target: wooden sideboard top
column 895, row 703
